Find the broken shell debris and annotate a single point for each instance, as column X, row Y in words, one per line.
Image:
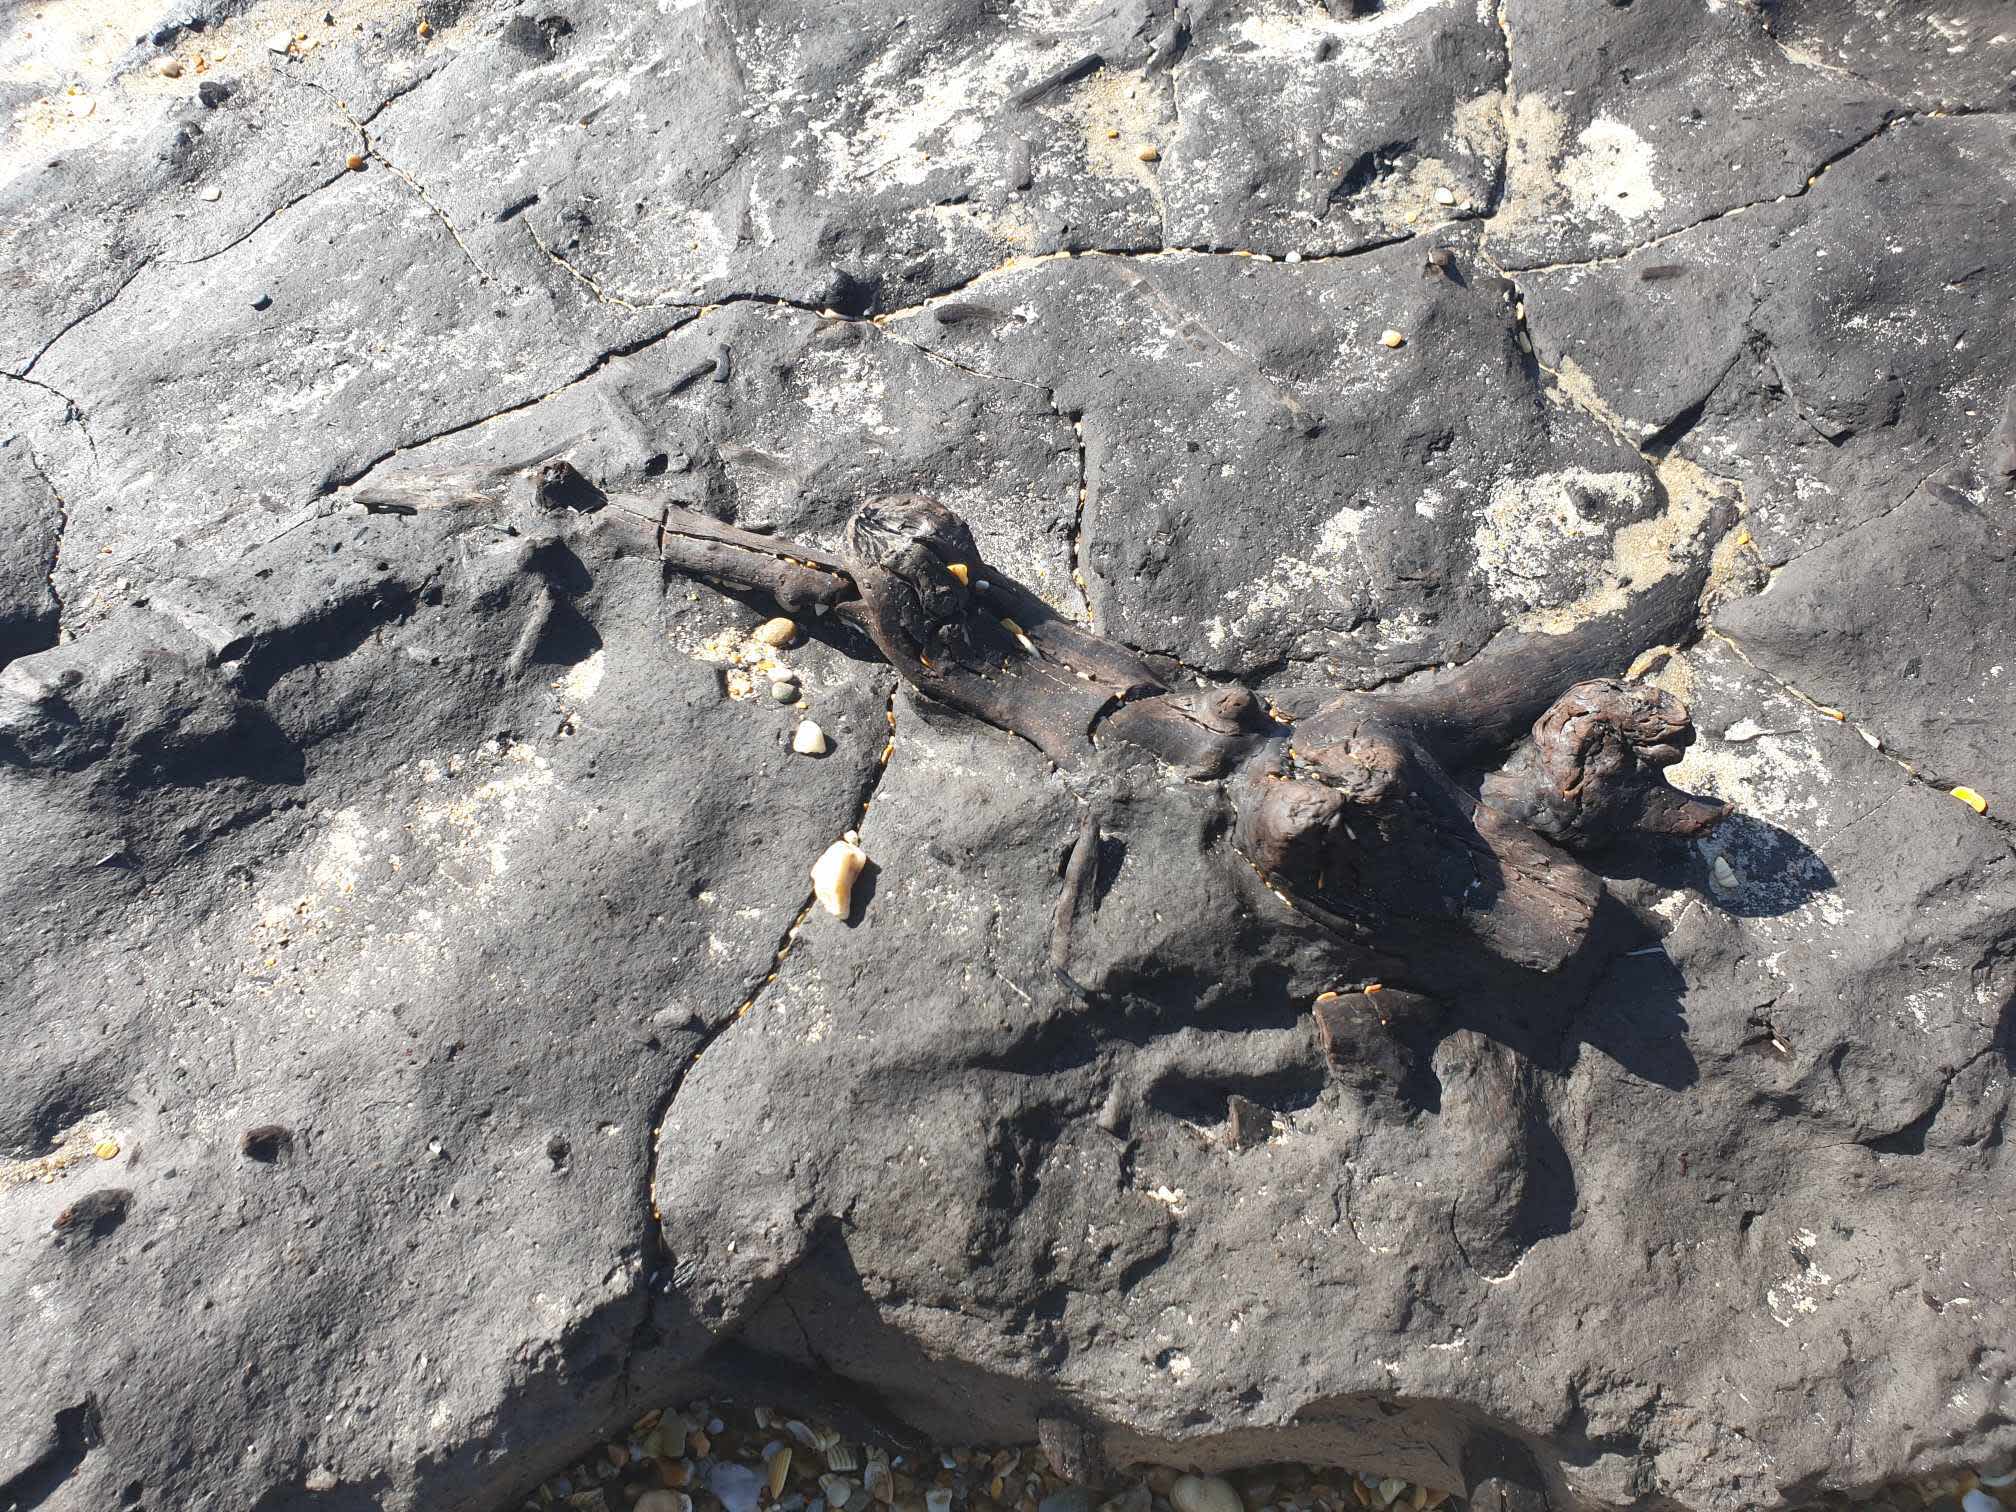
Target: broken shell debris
column 833, row 876
column 713, row 1457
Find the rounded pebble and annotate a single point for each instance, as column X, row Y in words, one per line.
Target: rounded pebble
column 1204, row 1493
column 1391, row 339
column 169, row 68
column 1149, row 153
column 777, row 632
column 1445, row 196
column 213, row 194
column 784, row 692
column 262, row 300
column 808, row 739
column 354, row 162
column 279, row 42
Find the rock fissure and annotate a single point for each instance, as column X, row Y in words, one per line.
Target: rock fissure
column 1899, row 117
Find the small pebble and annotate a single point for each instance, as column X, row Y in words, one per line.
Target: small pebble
column 1149, row 153
column 262, row 300
column 738, row 1486
column 1391, row 339
column 808, row 739
column 833, row 877
column 279, row 42
column 213, row 194
column 354, row 162
column 1723, row 874
column 1445, row 196
column 169, row 68
column 425, row 30
column 784, row 692
column 1979, row 1501
column 1294, row 257
column 1112, row 136
column 1204, row 1493
column 777, row 632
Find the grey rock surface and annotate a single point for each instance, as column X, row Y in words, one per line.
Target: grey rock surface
column 421, row 1054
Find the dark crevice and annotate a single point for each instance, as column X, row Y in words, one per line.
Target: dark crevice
column 97, row 309
column 613, row 354
column 78, row 1432
column 658, row 1260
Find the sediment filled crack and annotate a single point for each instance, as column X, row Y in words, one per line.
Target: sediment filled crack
column 658, row 1266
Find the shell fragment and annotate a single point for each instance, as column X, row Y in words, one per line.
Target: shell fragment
column 833, row 876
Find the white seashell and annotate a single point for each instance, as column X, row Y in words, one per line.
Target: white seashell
column 1204, row 1493
column 1723, row 875
column 841, row 1456
column 833, row 876
column 803, row 1433
column 2000, row 1478
column 1389, row 1491
column 808, row 739
column 837, row 1488
column 880, row 1482
column 1979, row 1501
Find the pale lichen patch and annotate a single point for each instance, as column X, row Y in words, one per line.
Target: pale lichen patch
column 1612, row 174
column 1530, row 523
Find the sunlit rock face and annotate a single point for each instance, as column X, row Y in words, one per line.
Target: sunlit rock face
column 425, row 1052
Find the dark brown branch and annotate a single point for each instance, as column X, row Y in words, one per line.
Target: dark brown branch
column 1594, row 768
